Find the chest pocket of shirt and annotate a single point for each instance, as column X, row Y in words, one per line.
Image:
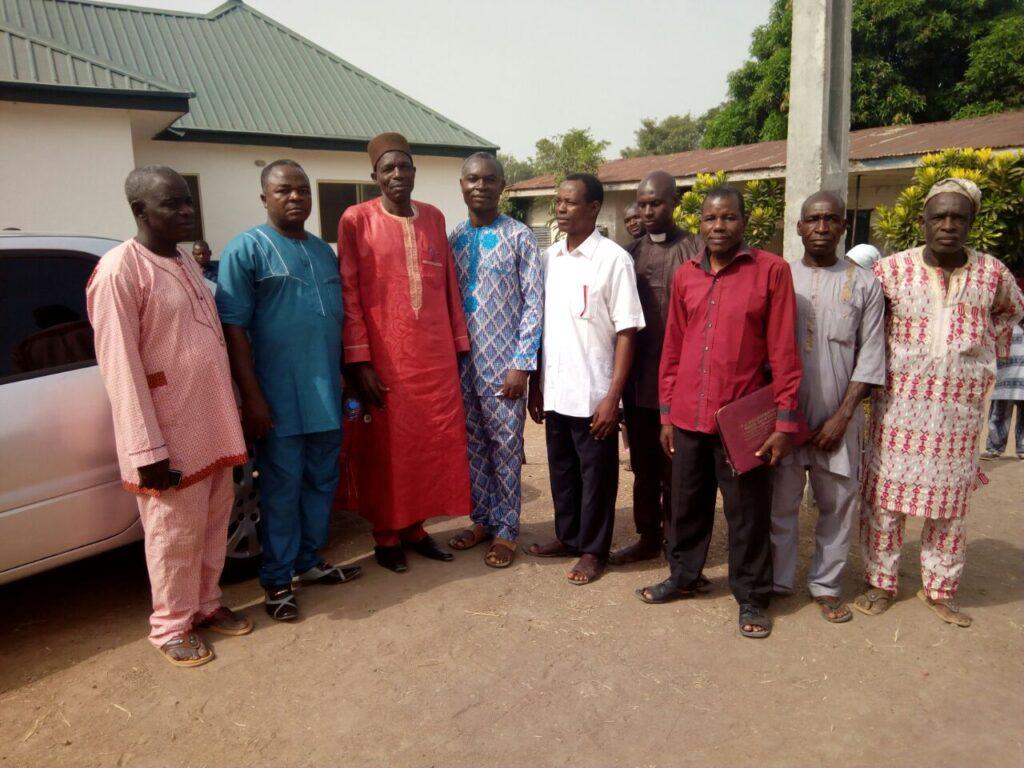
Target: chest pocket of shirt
column 842, row 325
column 580, row 301
column 432, row 266
column 968, row 329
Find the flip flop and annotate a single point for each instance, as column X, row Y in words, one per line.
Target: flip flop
column 948, row 610
column 829, row 605
column 874, row 601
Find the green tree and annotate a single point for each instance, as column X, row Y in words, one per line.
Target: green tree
column 574, row 151
column 516, row 170
column 675, row 133
column 998, row 228
column 913, row 61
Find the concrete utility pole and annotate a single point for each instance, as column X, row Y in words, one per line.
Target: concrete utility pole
column 818, row 147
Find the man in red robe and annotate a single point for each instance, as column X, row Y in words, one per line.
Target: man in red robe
column 403, row 330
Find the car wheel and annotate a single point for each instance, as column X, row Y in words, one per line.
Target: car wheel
column 244, row 524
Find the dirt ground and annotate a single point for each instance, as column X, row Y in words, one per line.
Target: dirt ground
column 456, row 664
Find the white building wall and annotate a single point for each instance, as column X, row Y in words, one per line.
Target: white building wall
column 63, row 169
column 229, row 181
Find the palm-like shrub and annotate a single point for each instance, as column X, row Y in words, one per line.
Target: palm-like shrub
column 764, row 200
column 999, row 226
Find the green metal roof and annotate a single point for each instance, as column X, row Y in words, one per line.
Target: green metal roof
column 254, row 80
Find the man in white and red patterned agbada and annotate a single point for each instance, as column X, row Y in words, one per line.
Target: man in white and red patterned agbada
column 161, row 354
column 951, row 311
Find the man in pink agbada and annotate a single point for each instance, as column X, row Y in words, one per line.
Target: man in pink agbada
column 162, row 357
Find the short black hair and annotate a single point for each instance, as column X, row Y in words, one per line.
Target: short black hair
column 269, row 167
column 727, row 190
column 593, row 189
column 487, row 156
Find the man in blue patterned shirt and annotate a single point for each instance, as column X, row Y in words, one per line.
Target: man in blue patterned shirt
column 502, row 284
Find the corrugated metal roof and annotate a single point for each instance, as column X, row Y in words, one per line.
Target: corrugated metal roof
column 995, row 131
column 28, row 58
column 250, row 74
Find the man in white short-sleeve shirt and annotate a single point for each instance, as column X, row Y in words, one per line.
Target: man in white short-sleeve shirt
column 591, row 315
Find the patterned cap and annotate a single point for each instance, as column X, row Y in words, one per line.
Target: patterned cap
column 957, row 186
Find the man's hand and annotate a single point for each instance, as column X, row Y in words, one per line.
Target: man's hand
column 831, row 433
column 774, row 448
column 156, row 476
column 256, row 419
column 605, row 418
column 535, row 402
column 370, row 385
column 667, row 440
column 515, row 384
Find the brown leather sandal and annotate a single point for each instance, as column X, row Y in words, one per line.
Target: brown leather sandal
column 874, row 601
column 947, row 609
column 500, row 554
column 589, row 567
column 469, row 538
column 186, row 650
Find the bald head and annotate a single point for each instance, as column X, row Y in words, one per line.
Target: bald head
column 657, row 197
column 824, row 196
column 661, row 183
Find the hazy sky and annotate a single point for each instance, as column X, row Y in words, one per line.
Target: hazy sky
column 518, row 70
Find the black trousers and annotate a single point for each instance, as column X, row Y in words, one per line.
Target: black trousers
column 584, row 482
column 652, row 474
column 699, row 468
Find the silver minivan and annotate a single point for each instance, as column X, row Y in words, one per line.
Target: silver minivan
column 60, row 492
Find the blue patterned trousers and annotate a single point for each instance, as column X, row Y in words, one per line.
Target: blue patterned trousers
column 494, row 426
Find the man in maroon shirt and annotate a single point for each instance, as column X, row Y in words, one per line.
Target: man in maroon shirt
column 731, row 317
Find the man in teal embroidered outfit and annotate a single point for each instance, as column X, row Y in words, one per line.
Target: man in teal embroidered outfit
column 279, row 298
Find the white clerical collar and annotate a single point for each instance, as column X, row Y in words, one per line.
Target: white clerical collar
column 657, row 237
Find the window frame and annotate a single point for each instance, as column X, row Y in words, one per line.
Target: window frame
column 197, row 203
column 332, row 236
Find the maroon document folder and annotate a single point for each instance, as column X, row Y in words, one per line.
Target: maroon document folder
column 746, row 423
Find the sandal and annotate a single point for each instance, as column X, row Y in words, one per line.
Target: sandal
column 833, row 610
column 500, row 554
column 224, row 621
column 325, row 573
column 874, row 601
column 469, row 538
column 667, row 591
column 553, row 548
column 280, row 604
column 634, row 553
column 947, row 609
column 589, row 568
column 753, row 616
column 186, row 650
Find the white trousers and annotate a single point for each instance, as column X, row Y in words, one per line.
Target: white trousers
column 837, row 499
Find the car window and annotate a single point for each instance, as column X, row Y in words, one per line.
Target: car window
column 43, row 323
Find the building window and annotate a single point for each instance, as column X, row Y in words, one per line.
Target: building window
column 335, row 197
column 192, row 180
column 543, row 235
column 858, row 227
